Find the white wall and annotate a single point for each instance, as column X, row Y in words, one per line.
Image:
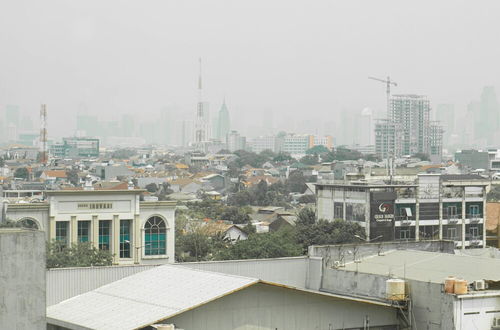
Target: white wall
column 268, row 307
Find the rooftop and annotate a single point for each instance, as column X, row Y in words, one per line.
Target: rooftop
column 428, row 266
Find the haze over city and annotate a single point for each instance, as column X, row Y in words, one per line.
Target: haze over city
column 303, row 61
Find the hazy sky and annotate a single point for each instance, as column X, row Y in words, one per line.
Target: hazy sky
column 300, row 59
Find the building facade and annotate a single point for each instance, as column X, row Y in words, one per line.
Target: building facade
column 408, row 129
column 75, row 147
column 451, row 207
column 235, row 141
column 114, row 220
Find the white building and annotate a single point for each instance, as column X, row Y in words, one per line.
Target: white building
column 115, row 220
column 262, row 143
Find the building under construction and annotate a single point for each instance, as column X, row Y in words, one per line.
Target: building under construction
column 408, row 129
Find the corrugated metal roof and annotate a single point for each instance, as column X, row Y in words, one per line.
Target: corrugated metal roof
column 428, row 266
column 144, row 298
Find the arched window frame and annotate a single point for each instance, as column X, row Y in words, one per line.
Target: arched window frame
column 34, row 222
column 155, row 236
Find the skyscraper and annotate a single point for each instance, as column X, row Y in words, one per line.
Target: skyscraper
column 223, row 122
column 445, row 114
column 487, row 120
column 408, row 129
column 202, row 122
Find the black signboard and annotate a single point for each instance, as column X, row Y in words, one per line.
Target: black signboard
column 382, row 216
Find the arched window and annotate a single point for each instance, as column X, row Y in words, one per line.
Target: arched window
column 155, row 240
column 28, row 223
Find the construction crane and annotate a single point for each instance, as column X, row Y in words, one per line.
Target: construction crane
column 388, row 82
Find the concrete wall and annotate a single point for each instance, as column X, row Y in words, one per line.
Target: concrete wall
column 349, row 252
column 287, row 271
column 432, row 309
column 22, row 279
column 268, row 307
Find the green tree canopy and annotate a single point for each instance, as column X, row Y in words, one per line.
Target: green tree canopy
column 82, row 254
column 267, row 245
column 22, row 173
column 317, row 150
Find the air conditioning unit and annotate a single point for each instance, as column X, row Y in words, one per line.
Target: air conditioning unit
column 479, row 285
column 496, row 323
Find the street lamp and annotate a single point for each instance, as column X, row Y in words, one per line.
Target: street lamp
column 368, row 239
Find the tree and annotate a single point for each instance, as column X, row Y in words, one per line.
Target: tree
column 151, row 187
column 238, row 215
column 22, row 173
column 309, row 159
column 283, row 157
column 267, row 245
column 73, row 177
column 494, row 194
column 325, row 232
column 422, row 156
column 307, row 199
column 317, row 150
column 123, row 153
column 306, row 217
column 82, row 254
column 296, row 182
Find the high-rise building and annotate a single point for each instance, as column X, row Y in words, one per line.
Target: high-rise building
column 223, row 122
column 235, row 141
column 408, row 129
column 487, row 120
column 202, row 122
column 87, row 125
column 127, row 125
column 445, row 114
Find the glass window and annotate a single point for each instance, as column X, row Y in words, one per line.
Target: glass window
column 404, row 234
column 474, row 210
column 155, row 237
column 452, row 233
column 125, row 238
column 29, row 223
column 104, row 235
column 452, row 211
column 83, row 231
column 62, row 232
column 474, row 233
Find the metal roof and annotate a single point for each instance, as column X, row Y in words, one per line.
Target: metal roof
column 428, row 266
column 145, row 298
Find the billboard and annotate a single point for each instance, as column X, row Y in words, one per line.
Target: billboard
column 382, row 215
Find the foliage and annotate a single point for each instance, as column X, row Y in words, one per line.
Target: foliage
column 422, row 156
column 341, row 153
column 296, row 182
column 494, row 194
column 151, row 187
column 163, row 191
column 267, row 245
column 216, row 210
column 73, row 177
column 309, row 160
column 283, row 157
column 249, row 158
column 261, row 195
column 22, row 172
column 325, row 232
column 82, row 254
column 306, row 217
column 307, row 199
column 317, row 150
column 123, row 153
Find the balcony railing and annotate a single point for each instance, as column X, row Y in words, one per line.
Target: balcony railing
column 475, row 217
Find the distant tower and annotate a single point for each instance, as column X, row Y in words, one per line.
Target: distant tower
column 43, row 134
column 202, row 118
column 223, row 122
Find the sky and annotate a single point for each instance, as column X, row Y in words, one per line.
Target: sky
column 297, row 60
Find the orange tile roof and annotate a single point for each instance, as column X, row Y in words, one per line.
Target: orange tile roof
column 55, row 173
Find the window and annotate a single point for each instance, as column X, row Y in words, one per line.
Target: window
column 474, row 210
column 83, row 231
column 452, row 233
column 452, row 212
column 474, row 233
column 404, row 234
column 62, row 232
column 125, row 238
column 339, row 212
column 104, row 235
column 155, row 237
column 29, row 223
